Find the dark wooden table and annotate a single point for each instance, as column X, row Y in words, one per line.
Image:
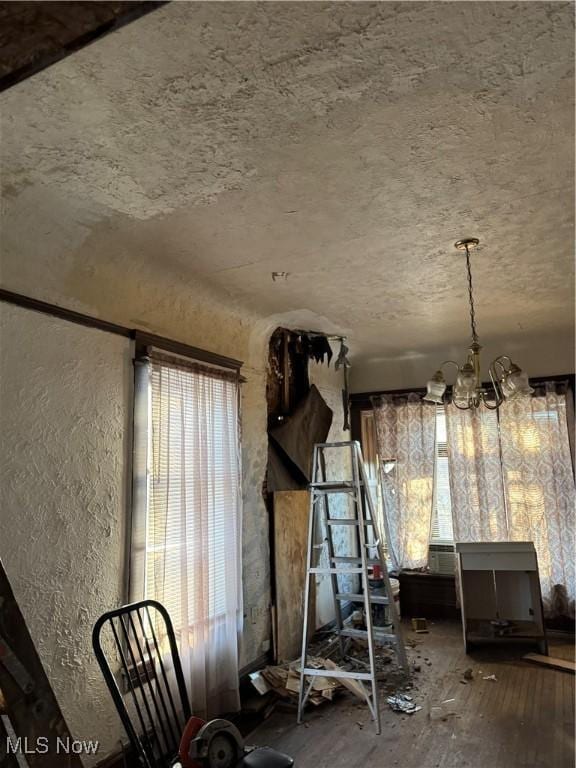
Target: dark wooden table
column 428, row 595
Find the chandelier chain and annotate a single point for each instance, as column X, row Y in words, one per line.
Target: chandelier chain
column 507, row 380
column 471, row 297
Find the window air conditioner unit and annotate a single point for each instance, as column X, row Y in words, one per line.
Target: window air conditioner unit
column 442, row 558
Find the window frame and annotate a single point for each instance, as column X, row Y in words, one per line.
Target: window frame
column 440, row 411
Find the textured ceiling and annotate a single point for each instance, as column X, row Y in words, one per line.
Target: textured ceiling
column 349, row 144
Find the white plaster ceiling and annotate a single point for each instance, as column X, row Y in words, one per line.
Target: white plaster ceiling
column 349, row 144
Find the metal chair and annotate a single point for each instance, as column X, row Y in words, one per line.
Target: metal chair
column 153, row 721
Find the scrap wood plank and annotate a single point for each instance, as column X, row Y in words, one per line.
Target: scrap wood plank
column 354, row 686
column 550, row 661
column 290, row 540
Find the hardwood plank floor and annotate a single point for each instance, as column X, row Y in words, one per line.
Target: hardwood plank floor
column 523, row 720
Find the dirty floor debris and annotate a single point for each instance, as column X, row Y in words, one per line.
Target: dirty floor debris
column 283, row 681
column 401, row 702
column 526, row 719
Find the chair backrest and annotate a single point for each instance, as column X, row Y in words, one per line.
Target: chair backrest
column 136, row 645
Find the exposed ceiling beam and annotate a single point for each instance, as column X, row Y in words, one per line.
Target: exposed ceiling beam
column 35, row 35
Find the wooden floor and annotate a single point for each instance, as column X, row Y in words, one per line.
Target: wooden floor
column 524, row 720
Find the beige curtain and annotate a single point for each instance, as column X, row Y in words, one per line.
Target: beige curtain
column 476, row 488
column 539, row 485
column 405, row 433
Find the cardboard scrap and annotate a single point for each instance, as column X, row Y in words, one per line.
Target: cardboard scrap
column 259, row 682
column 420, row 626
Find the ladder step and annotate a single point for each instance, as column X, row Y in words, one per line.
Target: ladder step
column 377, row 633
column 347, row 521
column 313, row 672
column 327, row 484
column 343, row 444
column 319, row 492
column 356, row 560
column 335, row 570
column 357, row 598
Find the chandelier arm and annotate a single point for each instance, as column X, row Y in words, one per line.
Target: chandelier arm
column 452, row 362
column 461, row 407
column 494, row 372
column 498, row 397
column 503, row 357
column 497, row 402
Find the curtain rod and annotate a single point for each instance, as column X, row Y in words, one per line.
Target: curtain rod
column 563, row 378
column 141, row 337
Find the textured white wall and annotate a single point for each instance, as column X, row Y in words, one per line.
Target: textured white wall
column 64, row 406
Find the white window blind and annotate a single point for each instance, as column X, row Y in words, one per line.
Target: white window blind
column 193, row 497
column 187, row 516
column 441, row 528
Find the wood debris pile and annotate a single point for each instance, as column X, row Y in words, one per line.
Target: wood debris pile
column 284, row 681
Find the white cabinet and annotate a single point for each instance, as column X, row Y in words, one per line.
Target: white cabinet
column 500, row 594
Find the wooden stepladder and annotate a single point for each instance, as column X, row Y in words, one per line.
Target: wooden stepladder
column 363, row 518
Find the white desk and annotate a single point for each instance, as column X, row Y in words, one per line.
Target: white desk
column 500, row 594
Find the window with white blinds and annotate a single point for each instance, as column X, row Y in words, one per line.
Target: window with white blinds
column 190, row 513
column 441, row 528
column 186, row 524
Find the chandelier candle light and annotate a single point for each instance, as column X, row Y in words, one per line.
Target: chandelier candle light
column 508, row 380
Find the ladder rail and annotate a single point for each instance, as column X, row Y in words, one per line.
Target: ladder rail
column 325, row 512
column 365, row 586
column 357, row 491
column 309, row 576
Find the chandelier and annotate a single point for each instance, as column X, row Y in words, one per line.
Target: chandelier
column 468, row 392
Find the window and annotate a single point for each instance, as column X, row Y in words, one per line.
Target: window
column 441, row 529
column 372, row 463
column 187, row 511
